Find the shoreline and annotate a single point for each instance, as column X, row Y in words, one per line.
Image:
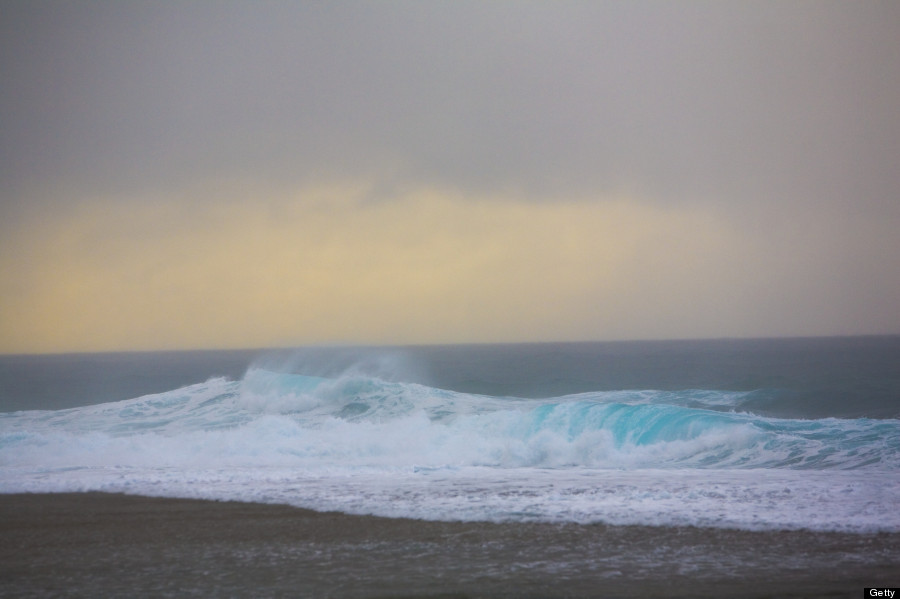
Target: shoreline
column 92, row 543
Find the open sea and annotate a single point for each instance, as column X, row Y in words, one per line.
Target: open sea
column 725, row 436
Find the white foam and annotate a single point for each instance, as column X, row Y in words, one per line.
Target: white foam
column 850, row 501
column 392, row 449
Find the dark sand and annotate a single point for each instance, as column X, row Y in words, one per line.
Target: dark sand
column 93, row 544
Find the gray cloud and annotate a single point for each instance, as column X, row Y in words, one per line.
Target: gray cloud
column 731, row 102
column 745, row 153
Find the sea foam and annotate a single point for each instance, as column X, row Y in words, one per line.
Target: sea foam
column 361, row 444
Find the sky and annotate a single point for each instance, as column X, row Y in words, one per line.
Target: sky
column 182, row 175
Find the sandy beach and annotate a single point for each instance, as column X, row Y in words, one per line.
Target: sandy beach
column 93, row 544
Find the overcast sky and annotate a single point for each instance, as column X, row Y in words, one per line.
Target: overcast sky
column 246, row 174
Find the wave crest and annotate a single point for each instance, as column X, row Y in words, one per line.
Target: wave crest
column 356, row 421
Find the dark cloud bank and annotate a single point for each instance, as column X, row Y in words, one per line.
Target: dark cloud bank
column 724, row 102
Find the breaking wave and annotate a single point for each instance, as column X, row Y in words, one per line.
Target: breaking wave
column 362, row 444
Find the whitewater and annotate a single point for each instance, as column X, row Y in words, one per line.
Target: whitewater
column 363, row 444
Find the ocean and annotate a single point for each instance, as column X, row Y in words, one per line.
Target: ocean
column 732, row 437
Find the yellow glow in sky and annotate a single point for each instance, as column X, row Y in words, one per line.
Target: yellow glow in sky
column 325, row 265
column 243, row 267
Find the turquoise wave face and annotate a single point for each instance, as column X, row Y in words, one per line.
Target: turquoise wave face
column 708, row 438
column 362, row 422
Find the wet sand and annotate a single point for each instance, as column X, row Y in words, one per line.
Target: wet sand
column 95, row 544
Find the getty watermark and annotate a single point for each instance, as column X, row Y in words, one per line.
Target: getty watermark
column 889, row 593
